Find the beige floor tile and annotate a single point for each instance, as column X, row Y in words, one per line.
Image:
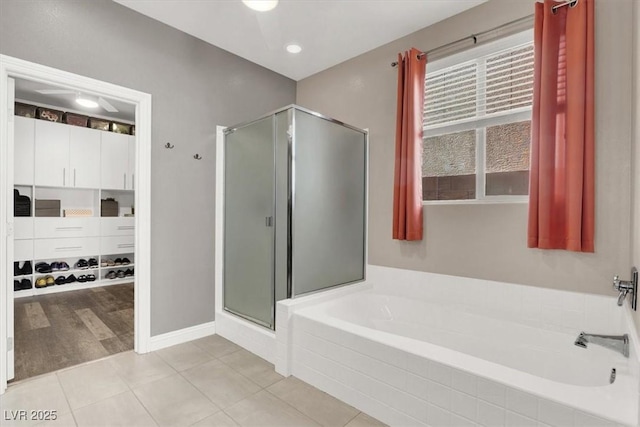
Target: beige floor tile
column 219, row 419
column 87, row 384
column 364, row 420
column 315, row 404
column 221, row 384
column 216, row 346
column 64, row 420
column 42, row 393
column 184, row 356
column 173, row 401
column 137, row 369
column 120, row 410
column 263, row 409
column 257, row 369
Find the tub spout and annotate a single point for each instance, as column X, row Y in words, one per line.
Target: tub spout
column 619, row 343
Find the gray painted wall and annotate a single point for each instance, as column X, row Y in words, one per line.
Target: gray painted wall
column 635, row 175
column 489, row 241
column 195, row 86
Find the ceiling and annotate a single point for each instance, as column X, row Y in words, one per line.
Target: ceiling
column 26, row 91
column 329, row 31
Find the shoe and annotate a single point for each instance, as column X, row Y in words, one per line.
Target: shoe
column 71, row 279
column 103, row 263
column 125, row 261
column 41, row 282
column 91, row 277
column 61, row 280
column 111, row 275
column 55, row 266
column 17, row 271
column 118, row 261
column 43, row 267
column 128, row 272
column 63, row 266
column 26, row 268
column 120, row 274
column 82, row 264
column 25, row 284
column 82, row 278
column 110, row 263
column 93, row 262
column 16, row 285
column 50, row 280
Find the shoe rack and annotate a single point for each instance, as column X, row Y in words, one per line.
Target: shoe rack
column 47, row 167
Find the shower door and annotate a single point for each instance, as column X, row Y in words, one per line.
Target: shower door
column 249, row 221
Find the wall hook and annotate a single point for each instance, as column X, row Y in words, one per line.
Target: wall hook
column 169, row 145
column 197, row 157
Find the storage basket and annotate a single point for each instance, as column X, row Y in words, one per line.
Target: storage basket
column 49, row 114
column 99, row 124
column 47, row 208
column 21, row 204
column 121, row 128
column 25, row 110
column 75, row 119
column 108, row 207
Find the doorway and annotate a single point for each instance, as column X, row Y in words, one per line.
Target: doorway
column 11, row 69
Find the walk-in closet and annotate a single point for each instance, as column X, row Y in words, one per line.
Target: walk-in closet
column 74, row 228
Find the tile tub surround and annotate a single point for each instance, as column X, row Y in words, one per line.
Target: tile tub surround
column 423, row 384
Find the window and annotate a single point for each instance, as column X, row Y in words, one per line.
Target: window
column 477, row 121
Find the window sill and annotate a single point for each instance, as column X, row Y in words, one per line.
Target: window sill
column 487, row 201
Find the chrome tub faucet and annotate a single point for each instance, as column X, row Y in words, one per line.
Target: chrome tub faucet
column 627, row 287
column 619, row 343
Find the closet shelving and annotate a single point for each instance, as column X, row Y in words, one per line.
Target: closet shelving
column 79, row 167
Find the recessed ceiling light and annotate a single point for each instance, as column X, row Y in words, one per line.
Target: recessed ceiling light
column 294, row 48
column 260, row 5
column 86, row 101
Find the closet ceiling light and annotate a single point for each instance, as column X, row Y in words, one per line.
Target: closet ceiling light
column 293, row 48
column 86, row 101
column 260, row 5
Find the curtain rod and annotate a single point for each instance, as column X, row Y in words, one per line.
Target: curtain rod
column 474, row 37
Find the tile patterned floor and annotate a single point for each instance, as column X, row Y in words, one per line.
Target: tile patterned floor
column 56, row 331
column 207, row 382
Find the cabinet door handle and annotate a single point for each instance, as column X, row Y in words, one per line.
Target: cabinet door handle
column 69, row 228
column 74, row 177
column 124, row 180
column 126, row 227
column 125, row 245
column 133, row 181
column 68, row 248
column 64, row 177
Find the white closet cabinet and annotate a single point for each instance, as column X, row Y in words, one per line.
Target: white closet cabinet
column 131, row 176
column 24, row 132
column 66, row 156
column 84, row 157
column 114, row 158
column 51, row 154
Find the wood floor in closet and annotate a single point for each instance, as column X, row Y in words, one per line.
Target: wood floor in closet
column 59, row 330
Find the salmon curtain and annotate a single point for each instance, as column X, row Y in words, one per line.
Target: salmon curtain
column 407, row 188
column 561, row 186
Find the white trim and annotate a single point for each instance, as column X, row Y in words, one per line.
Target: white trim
column 490, row 200
column 17, row 68
column 180, row 336
column 219, row 219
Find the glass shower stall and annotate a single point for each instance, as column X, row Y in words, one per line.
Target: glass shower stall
column 294, row 209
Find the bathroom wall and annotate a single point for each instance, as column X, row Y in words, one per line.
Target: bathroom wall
column 635, row 175
column 195, row 86
column 488, row 241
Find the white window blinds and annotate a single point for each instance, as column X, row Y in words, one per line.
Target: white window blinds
column 490, row 85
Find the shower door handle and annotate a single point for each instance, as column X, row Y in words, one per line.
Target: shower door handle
column 268, row 221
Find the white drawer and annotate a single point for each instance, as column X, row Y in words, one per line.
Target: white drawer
column 117, row 245
column 23, row 250
column 118, row 226
column 66, row 248
column 46, row 228
column 23, row 228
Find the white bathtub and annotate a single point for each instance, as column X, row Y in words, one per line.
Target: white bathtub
column 421, row 349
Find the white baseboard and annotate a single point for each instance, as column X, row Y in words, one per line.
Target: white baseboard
column 181, row 336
